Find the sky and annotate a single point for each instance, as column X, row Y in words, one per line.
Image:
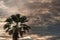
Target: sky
column 38, row 11
column 8, row 7
column 41, row 13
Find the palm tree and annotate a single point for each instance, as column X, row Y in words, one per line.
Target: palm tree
column 16, row 25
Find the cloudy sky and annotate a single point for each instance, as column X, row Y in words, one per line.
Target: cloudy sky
column 38, row 11
column 8, row 7
column 41, row 13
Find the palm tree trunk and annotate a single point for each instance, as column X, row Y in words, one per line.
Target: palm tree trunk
column 15, row 38
column 15, row 35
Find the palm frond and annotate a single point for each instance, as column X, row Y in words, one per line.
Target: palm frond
column 23, row 19
column 25, row 27
column 9, row 20
column 6, row 26
column 10, row 32
column 15, row 27
column 14, row 18
column 18, row 15
column 7, row 30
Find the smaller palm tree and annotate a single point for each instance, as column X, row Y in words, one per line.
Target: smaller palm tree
column 16, row 25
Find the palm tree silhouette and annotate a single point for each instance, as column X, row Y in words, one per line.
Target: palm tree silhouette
column 16, row 25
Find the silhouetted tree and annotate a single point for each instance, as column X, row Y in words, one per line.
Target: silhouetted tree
column 16, row 25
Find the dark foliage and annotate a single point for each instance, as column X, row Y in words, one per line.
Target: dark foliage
column 15, row 30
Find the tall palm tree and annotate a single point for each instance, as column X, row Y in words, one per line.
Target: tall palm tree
column 16, row 25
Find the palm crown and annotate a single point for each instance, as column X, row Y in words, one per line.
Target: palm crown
column 16, row 28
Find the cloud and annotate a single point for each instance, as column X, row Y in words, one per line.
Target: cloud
column 39, row 12
column 7, row 10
